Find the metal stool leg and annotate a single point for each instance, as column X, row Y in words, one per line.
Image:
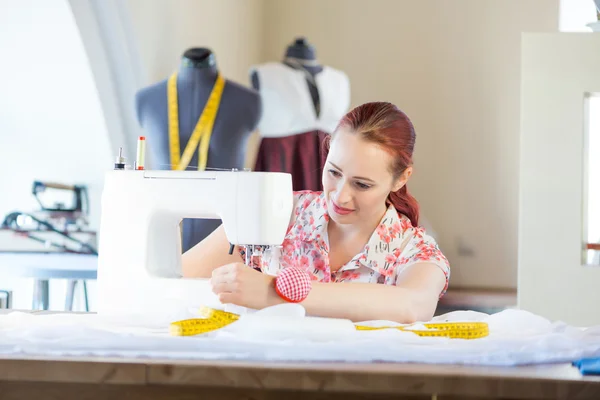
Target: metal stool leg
column 6, row 300
column 40, row 294
column 71, row 284
column 85, row 296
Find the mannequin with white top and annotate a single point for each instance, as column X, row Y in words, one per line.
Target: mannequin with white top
column 299, row 55
column 303, row 101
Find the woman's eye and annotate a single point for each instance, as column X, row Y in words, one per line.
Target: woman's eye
column 362, row 185
column 334, row 172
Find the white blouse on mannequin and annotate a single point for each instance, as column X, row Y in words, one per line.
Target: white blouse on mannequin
column 287, row 105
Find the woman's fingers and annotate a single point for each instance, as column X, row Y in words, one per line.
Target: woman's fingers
column 225, row 280
column 226, row 283
column 224, row 287
column 228, row 269
column 228, row 298
column 219, row 271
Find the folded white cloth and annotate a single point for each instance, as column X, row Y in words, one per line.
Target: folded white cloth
column 516, row 337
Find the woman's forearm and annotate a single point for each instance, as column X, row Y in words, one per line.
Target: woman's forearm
column 367, row 301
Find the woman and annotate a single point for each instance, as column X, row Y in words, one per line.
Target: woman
column 358, row 240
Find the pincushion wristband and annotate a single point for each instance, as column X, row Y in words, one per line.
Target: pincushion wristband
column 293, row 284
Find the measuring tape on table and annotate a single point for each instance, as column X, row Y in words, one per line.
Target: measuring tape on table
column 213, row 319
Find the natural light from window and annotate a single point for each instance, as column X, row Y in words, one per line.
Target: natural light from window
column 592, row 182
column 575, row 15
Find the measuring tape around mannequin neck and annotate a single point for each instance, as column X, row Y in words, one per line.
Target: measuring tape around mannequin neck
column 213, row 319
column 202, row 132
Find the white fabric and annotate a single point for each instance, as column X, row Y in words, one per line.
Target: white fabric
column 516, row 337
column 287, row 104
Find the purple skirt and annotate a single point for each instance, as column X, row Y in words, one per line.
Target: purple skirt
column 300, row 155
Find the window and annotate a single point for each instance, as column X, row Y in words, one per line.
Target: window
column 575, row 15
column 591, row 184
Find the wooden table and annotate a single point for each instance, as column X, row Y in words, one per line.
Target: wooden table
column 105, row 378
column 86, row 378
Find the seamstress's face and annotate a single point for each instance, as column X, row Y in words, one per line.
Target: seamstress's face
column 356, row 178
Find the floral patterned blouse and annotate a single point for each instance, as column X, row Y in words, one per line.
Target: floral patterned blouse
column 394, row 245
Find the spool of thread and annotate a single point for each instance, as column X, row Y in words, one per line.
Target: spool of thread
column 120, row 161
column 141, row 153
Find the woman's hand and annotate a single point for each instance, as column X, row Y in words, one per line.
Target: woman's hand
column 241, row 285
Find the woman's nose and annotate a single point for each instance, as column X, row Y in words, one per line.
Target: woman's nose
column 344, row 194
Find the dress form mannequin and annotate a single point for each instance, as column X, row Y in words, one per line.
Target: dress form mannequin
column 300, row 54
column 302, row 102
column 238, row 115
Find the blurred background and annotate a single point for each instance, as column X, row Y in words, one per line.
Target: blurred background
column 71, row 70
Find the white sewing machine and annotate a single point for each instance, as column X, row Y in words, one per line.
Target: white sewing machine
column 139, row 263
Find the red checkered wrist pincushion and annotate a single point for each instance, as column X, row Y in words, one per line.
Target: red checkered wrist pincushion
column 293, row 284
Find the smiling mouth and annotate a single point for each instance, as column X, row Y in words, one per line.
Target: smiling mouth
column 340, row 210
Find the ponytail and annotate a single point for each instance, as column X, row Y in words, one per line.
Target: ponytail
column 405, row 204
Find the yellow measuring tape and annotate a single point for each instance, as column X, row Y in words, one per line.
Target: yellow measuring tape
column 202, row 131
column 213, row 319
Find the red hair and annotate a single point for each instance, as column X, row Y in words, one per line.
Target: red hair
column 384, row 124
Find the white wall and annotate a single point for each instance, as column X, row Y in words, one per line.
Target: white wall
column 164, row 29
column 454, row 67
column 51, row 124
column 558, row 71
